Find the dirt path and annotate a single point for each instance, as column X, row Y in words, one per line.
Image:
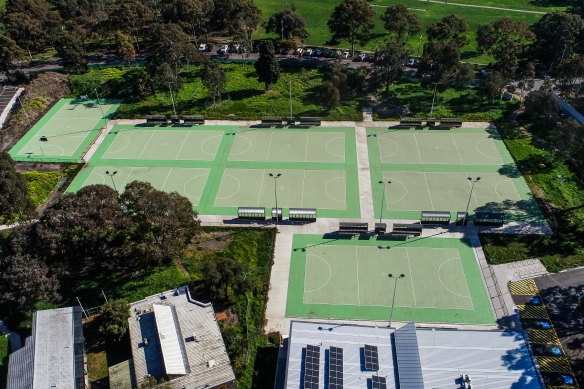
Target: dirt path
column 484, row 6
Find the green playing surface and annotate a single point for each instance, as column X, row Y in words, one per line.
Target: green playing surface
column 220, row 168
column 348, row 279
column 428, row 170
column 69, row 128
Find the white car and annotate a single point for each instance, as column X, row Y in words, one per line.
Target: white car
column 411, row 62
column 299, row 51
column 202, row 47
column 346, row 55
column 308, row 53
column 361, row 57
column 224, row 49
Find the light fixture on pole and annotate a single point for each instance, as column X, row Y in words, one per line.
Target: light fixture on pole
column 383, row 182
column 473, row 182
column 112, row 174
column 395, row 277
column 171, row 97
column 275, row 176
column 433, row 98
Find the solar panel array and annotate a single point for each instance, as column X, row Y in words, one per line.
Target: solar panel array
column 335, row 368
column 371, row 358
column 311, row 367
column 378, row 382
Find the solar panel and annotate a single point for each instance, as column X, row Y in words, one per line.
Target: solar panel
column 378, row 382
column 335, row 368
column 371, row 358
column 311, row 367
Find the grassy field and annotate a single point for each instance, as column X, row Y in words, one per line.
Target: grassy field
column 449, row 103
column 317, row 13
column 251, row 246
column 244, row 96
column 41, row 185
column 4, row 352
column 562, row 197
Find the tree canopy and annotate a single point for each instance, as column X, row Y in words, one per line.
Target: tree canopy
column 351, row 20
column 15, row 201
column 267, row 66
column 287, row 24
column 113, row 322
column 398, row 20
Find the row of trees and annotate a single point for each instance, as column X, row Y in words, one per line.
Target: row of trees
column 90, row 230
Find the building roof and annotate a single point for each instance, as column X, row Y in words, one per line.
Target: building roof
column 196, row 334
column 424, row 358
column 53, row 355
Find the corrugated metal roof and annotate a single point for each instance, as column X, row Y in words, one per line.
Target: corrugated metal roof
column 435, row 214
column 251, row 210
column 408, row 357
column 20, row 366
column 302, row 211
column 170, row 343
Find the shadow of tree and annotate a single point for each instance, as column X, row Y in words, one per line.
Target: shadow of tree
column 509, row 170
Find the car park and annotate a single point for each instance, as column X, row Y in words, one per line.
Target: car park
column 346, row 55
column 317, row 53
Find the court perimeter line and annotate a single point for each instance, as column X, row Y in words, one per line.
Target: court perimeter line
column 456, row 147
column 306, row 147
column 357, row 263
column 168, row 175
column 411, row 278
column 146, row 145
column 183, row 145
column 128, row 176
column 418, row 148
column 261, row 187
column 302, row 195
column 269, row 146
column 233, row 193
column 429, row 193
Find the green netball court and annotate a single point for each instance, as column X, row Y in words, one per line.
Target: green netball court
column 348, row 279
column 65, row 132
column 428, row 170
column 220, row 168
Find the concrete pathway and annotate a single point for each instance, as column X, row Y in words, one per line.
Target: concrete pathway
column 484, row 6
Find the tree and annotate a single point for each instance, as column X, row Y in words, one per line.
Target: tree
column 81, row 226
column 162, row 224
column 30, row 23
column 244, row 20
column 492, row 85
column 526, row 78
column 26, row 280
column 336, row 75
column 287, row 24
column 15, row 201
column 113, row 322
column 70, row 45
column 124, row 47
column 391, row 64
column 541, row 108
column 330, row 95
column 556, row 36
column 505, row 39
column 351, row 20
column 465, row 74
column 222, row 274
column 449, row 30
column 399, row 21
column 9, row 53
column 131, row 17
column 192, row 15
column 214, row 80
column 267, row 66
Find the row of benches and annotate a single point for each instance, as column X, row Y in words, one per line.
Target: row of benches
column 279, row 120
column 358, row 228
column 410, row 122
column 259, row 214
column 186, row 120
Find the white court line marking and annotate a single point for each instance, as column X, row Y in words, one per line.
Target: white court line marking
column 357, row 263
column 146, row 145
column 395, row 152
column 249, row 144
column 393, row 180
column 189, row 194
column 108, row 151
column 261, row 187
column 326, row 192
column 411, row 278
column 498, row 157
column 168, row 175
column 429, row 193
column 326, row 147
column 444, row 285
column 126, row 180
column 203, row 143
column 329, row 277
column 306, row 148
column 497, row 186
column 418, row 148
column 269, row 146
column 183, row 145
column 456, row 147
column 302, row 193
column 235, row 192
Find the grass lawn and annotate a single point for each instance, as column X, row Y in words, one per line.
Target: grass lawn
column 316, row 13
column 563, row 205
column 244, row 97
column 251, row 246
column 449, row 103
column 41, row 185
column 4, row 352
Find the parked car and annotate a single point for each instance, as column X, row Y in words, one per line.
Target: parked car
column 361, row 57
column 411, row 62
column 224, row 49
column 308, row 52
column 317, row 53
column 346, row 55
column 209, row 47
column 299, row 51
column 486, row 71
column 202, row 47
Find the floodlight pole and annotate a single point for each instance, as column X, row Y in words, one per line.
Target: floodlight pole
column 99, row 104
column 275, row 177
column 112, row 174
column 433, row 98
column 395, row 277
column 383, row 182
column 171, row 97
column 469, row 197
column 24, row 110
column 419, row 44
